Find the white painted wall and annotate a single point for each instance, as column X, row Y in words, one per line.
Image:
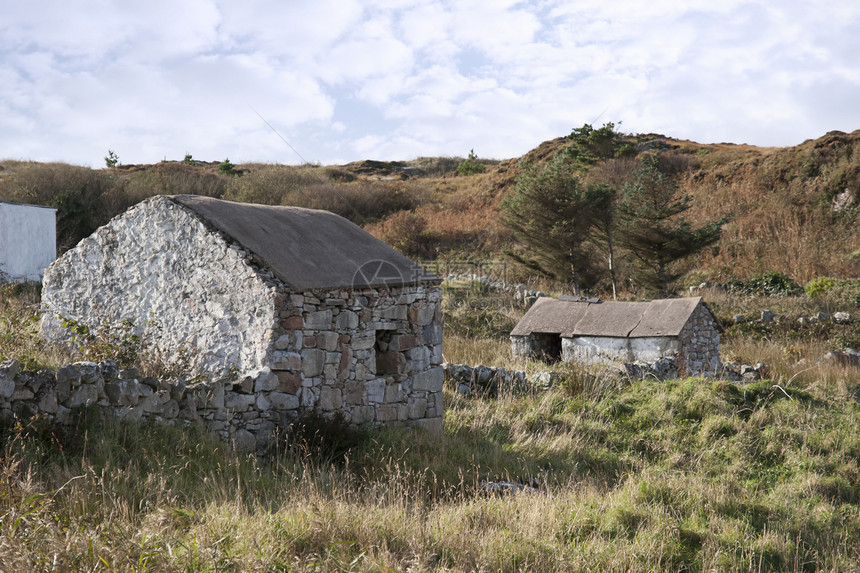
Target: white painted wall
column 28, row 241
column 597, row 349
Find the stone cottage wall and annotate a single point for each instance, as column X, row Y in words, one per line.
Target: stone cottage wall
column 373, row 354
column 700, row 344
column 160, row 265
column 608, row 350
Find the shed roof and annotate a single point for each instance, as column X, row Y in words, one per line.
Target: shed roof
column 16, row 204
column 611, row 319
column 309, row 248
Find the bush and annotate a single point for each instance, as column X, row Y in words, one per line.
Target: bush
column 226, row 167
column 470, row 166
column 771, row 283
column 818, row 286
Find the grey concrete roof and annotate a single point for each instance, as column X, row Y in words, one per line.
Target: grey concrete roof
column 612, row 319
column 308, row 248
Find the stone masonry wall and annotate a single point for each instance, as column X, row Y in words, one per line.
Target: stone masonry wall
column 373, row 354
column 244, row 412
column 700, row 344
column 160, row 265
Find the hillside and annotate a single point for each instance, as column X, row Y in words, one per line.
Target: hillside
column 793, row 210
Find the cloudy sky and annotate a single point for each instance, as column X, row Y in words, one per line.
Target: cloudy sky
column 344, row 80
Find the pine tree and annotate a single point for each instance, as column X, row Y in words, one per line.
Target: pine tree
column 651, row 229
column 553, row 213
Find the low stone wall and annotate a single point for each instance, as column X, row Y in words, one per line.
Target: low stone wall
column 244, row 412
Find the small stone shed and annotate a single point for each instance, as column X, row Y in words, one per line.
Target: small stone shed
column 28, row 240
column 315, row 312
column 594, row 331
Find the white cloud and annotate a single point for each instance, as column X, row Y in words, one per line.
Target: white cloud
column 392, row 78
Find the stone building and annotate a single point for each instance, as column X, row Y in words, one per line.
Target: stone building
column 594, row 331
column 301, row 308
column 28, row 240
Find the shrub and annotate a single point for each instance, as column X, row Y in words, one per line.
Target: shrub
column 771, row 283
column 226, row 167
column 111, row 159
column 406, row 231
column 818, row 286
column 470, row 166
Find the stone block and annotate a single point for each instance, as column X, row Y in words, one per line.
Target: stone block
column 396, row 312
column 128, row 374
column 355, row 392
column 402, row 342
column 9, row 369
column 429, row 380
column 283, row 360
column 318, row 320
column 422, row 313
column 293, row 323
column 347, row 320
column 266, row 381
column 432, row 426
column 432, row 334
column 21, row 393
column 109, row 370
column 393, row 393
column 363, row 414
column 344, row 367
column 309, row 341
column 330, row 398
column 89, row 372
column 375, row 390
column 262, row 403
column 417, row 408
column 83, row 395
column 438, row 399
column 283, row 342
column 289, row 382
column 363, row 341
column 48, row 402
column 282, row 401
column 238, row 402
column 7, row 387
column 69, row 375
column 244, row 441
column 436, row 355
column 386, row 413
column 215, row 395
column 308, row 398
column 419, row 359
column 328, row 340
column 170, row 410
column 244, row 386
column 313, row 360
column 330, row 372
column 122, row 392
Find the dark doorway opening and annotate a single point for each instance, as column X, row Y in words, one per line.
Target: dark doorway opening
column 546, row 346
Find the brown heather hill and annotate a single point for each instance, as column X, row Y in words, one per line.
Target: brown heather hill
column 794, row 209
